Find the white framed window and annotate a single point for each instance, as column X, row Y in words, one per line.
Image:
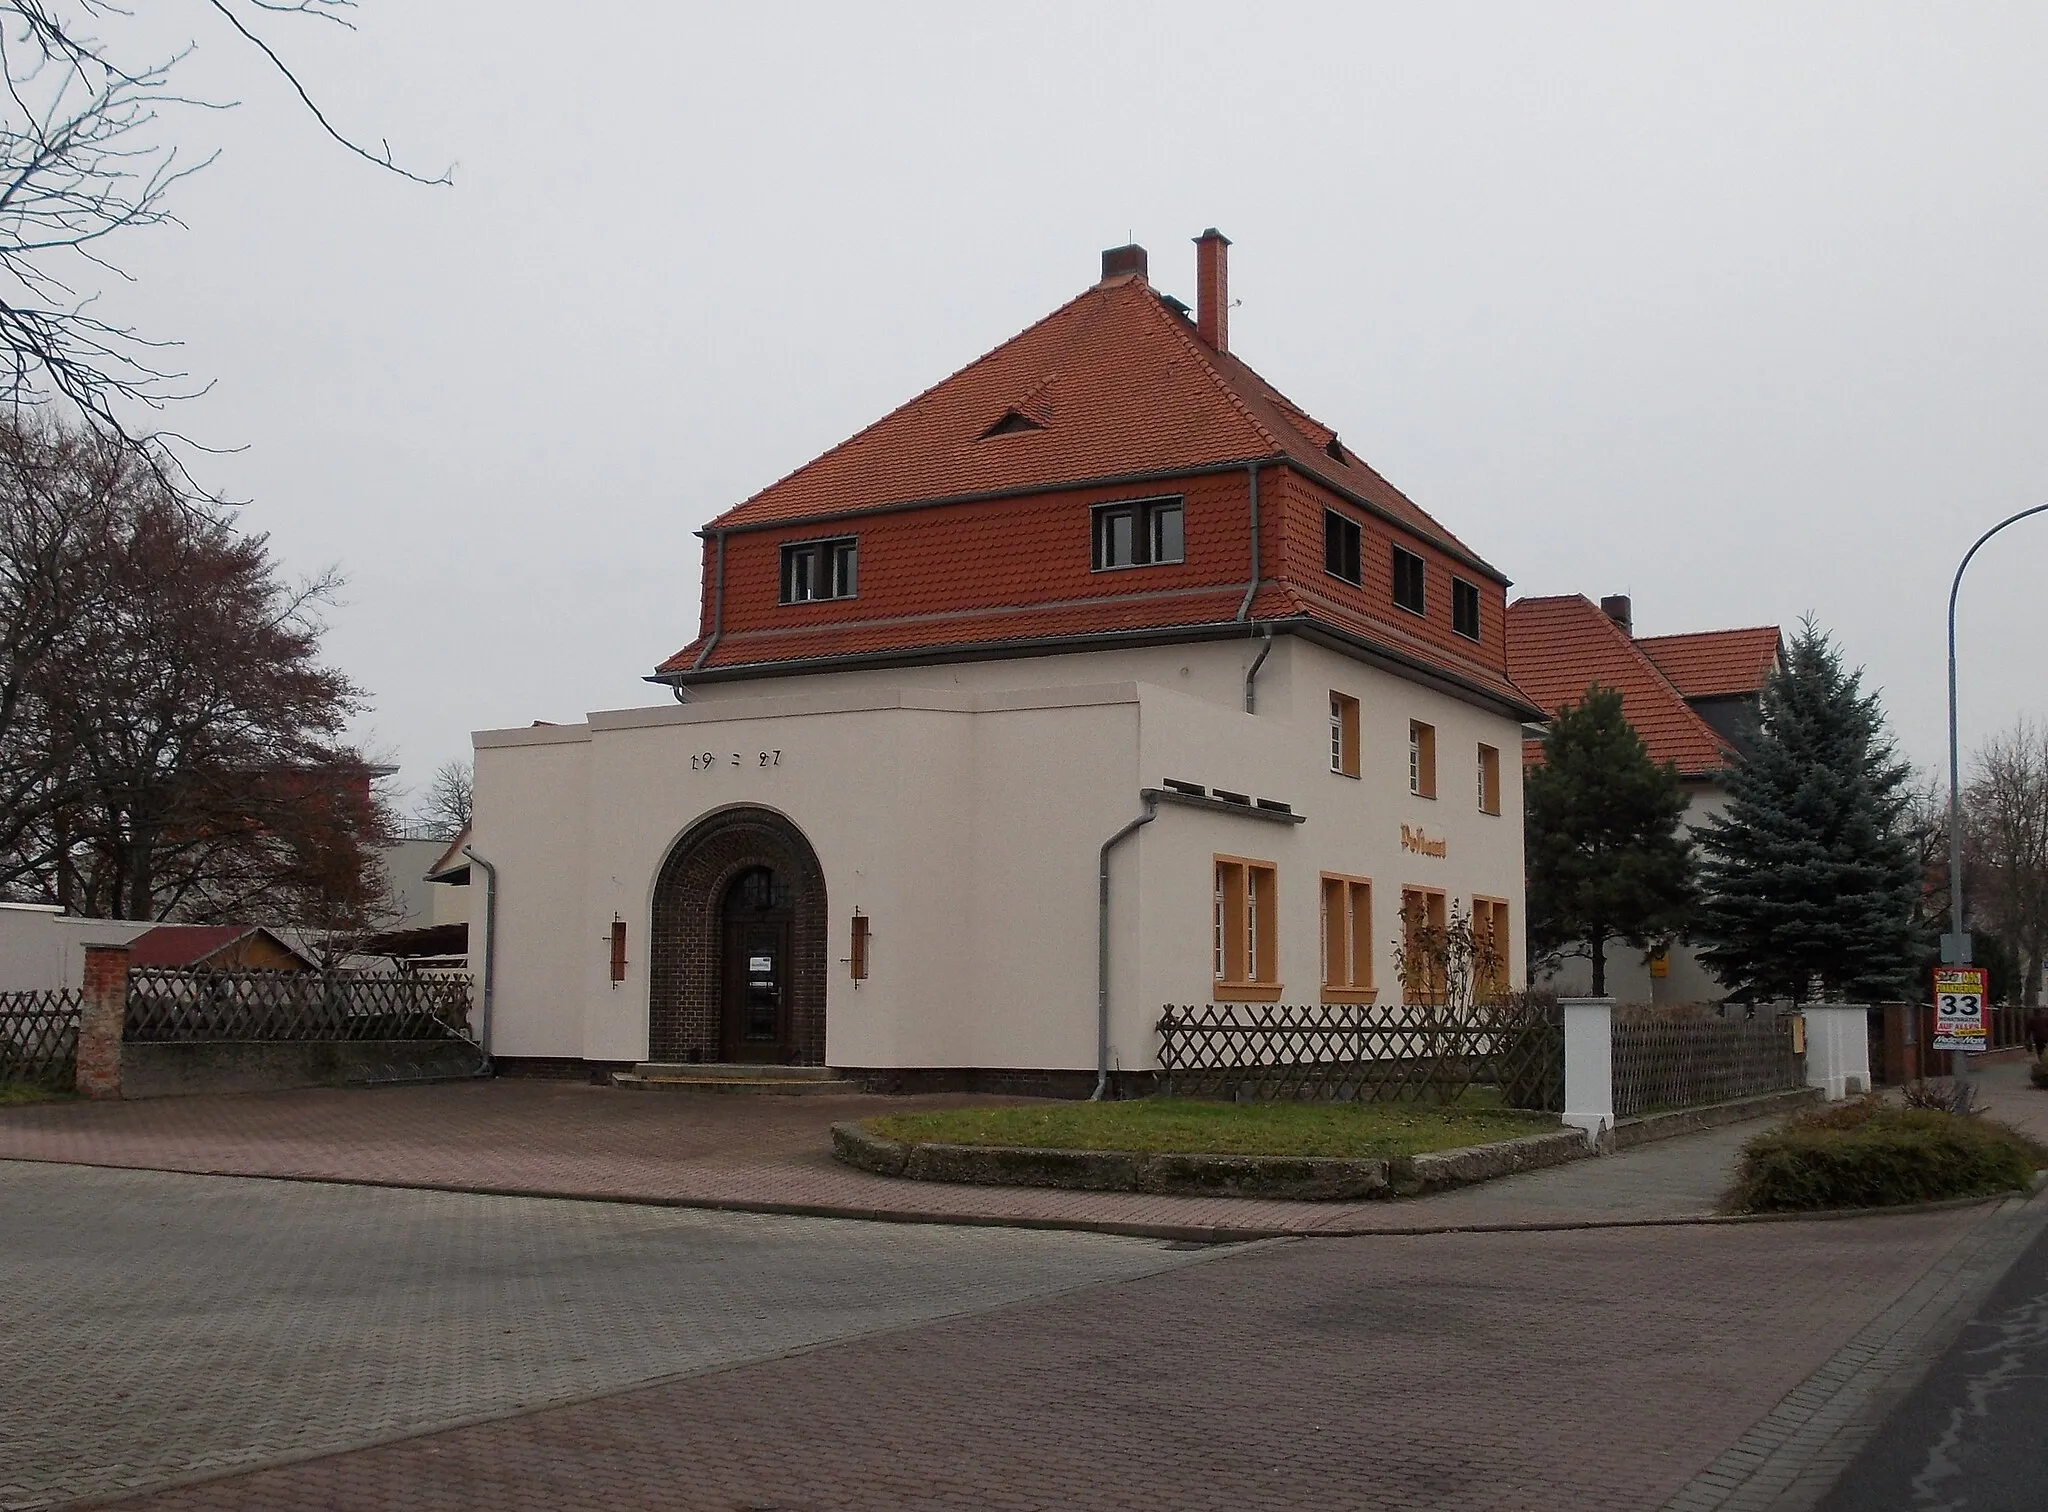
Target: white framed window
column 814, row 570
column 1143, row 533
column 1343, row 735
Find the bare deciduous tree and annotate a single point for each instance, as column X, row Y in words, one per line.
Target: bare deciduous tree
column 88, row 151
column 174, row 746
column 450, row 793
column 2005, row 845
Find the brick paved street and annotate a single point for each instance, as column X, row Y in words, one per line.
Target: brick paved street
column 160, row 1325
column 1571, row 1370
column 768, row 1154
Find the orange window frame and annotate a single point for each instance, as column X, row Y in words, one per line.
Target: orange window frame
column 1247, row 929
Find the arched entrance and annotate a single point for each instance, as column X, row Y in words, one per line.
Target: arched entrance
column 737, row 945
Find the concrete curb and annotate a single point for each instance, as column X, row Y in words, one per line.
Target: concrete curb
column 1284, row 1178
column 1185, row 1233
column 1630, row 1132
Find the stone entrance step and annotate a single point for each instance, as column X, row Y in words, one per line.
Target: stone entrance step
column 772, row 1081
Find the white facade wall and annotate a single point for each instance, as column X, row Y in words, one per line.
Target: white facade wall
column 42, row 949
column 961, row 809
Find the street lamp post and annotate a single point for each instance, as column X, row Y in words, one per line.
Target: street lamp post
column 1955, row 945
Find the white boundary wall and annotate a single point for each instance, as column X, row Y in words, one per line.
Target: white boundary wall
column 42, row 948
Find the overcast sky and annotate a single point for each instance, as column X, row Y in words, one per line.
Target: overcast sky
column 1741, row 311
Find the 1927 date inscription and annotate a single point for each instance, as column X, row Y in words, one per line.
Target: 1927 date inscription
column 704, row 761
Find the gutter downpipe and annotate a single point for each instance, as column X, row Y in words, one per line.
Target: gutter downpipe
column 1151, row 803
column 490, row 944
column 1252, row 672
column 717, row 611
column 1251, row 589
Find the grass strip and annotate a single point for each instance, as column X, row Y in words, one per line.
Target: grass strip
column 1184, row 1126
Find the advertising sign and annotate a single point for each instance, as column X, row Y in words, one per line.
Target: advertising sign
column 1961, row 1017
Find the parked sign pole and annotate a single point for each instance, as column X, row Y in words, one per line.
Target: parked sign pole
column 1955, row 945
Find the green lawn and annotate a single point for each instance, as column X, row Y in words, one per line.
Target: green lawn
column 1164, row 1125
column 13, row 1094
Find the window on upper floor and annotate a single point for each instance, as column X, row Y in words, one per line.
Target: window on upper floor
column 1489, row 780
column 1140, row 534
column 1465, row 608
column 819, row 570
column 1343, row 735
column 1409, row 590
column 1340, row 546
column 1421, row 759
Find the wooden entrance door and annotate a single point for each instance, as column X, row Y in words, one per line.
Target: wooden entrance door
column 754, row 1017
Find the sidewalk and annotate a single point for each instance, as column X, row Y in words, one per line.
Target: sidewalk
column 554, row 1139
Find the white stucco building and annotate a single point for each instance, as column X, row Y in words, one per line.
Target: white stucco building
column 1098, row 677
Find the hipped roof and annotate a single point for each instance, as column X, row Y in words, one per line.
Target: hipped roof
column 1114, row 383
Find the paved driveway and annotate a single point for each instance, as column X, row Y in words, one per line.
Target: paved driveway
column 762, row 1154
column 155, row 1326
column 1585, row 1371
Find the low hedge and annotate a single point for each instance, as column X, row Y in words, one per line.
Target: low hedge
column 1870, row 1153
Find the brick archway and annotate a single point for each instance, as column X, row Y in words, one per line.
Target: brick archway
column 685, row 939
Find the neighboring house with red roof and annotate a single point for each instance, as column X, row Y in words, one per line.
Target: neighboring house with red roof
column 215, row 947
column 1103, row 573
column 1694, row 700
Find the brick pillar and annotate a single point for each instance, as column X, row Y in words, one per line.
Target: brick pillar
column 101, row 1020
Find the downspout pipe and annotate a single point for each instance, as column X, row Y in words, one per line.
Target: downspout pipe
column 490, row 945
column 717, row 603
column 1251, row 676
column 1251, row 588
column 1151, row 803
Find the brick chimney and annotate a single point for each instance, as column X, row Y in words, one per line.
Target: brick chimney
column 1618, row 608
column 1212, row 288
column 1117, row 261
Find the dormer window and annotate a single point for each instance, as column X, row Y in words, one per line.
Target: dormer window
column 1013, row 423
column 814, row 570
column 1341, row 539
column 1145, row 533
column 1409, row 591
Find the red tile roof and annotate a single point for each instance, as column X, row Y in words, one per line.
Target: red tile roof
column 1559, row 647
column 1120, row 385
column 1715, row 663
column 174, row 947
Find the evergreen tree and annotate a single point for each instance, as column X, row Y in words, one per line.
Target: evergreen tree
column 1606, row 858
column 1810, row 877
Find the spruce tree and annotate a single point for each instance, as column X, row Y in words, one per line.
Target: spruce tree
column 1810, row 877
column 1605, row 856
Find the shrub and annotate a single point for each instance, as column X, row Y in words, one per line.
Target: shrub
column 1949, row 1094
column 1868, row 1153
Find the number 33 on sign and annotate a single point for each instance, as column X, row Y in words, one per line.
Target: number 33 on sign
column 704, row 761
column 1959, row 1013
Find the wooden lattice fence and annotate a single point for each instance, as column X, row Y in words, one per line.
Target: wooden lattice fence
column 39, row 1036
column 187, row 1007
column 1660, row 1064
column 1368, row 1052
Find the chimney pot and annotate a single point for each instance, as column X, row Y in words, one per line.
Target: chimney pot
column 1618, row 608
column 1212, row 288
column 1118, row 261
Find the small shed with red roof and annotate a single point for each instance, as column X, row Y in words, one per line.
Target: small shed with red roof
column 215, row 947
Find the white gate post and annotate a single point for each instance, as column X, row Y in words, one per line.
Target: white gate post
column 1838, row 1050
column 1589, row 1066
